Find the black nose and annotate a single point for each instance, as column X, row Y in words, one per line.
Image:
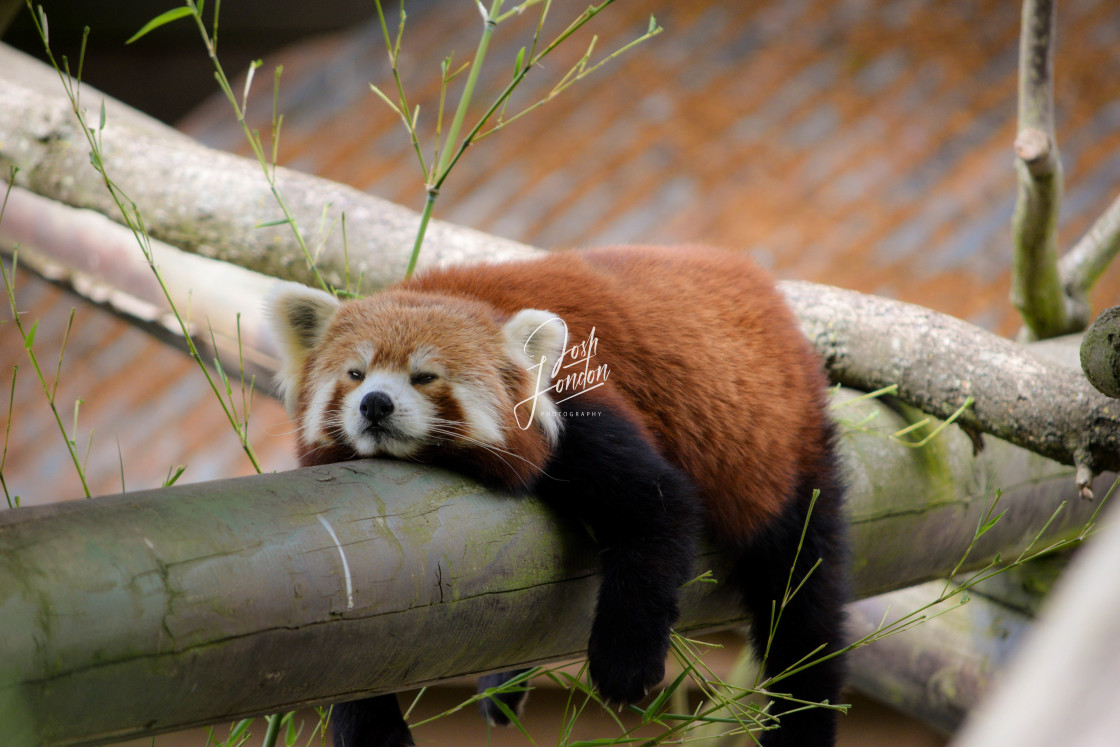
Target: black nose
column 376, row 406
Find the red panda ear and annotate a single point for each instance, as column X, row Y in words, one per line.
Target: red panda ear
column 532, row 334
column 297, row 317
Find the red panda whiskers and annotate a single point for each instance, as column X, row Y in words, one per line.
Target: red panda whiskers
column 454, row 430
column 497, row 452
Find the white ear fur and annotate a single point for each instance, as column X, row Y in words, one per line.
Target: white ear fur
column 533, row 333
column 297, row 317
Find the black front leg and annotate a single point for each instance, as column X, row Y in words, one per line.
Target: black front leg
column 370, row 722
column 645, row 517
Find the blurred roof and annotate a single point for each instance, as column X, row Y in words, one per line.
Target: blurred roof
column 864, row 144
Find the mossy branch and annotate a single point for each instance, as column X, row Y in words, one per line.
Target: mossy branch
column 938, row 362
column 260, row 603
column 1036, row 288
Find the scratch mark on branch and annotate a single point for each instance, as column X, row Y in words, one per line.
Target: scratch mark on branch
column 345, row 565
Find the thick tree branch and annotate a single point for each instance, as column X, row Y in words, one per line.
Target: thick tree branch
column 938, row 362
column 209, row 202
column 1036, row 289
column 99, row 260
column 1100, row 353
column 940, row 670
column 148, row 624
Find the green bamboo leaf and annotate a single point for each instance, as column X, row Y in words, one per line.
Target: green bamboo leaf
column 989, row 524
column 101, row 124
column 509, row 714
column 520, row 60
column 270, row 223
column 161, row 20
column 381, row 95
column 173, row 475
column 30, row 339
column 654, row 709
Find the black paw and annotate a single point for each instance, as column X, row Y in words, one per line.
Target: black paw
column 625, row 668
column 625, row 684
column 372, row 722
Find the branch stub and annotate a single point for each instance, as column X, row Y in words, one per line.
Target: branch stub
column 1100, row 353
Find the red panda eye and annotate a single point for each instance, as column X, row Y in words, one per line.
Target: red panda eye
column 423, row 378
column 355, row 374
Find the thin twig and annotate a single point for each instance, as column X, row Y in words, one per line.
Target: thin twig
column 1084, row 264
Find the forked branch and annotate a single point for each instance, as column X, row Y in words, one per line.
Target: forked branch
column 1036, row 288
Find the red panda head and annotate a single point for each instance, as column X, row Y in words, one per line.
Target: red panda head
column 402, row 372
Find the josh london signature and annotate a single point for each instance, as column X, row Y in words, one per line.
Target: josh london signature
column 575, row 382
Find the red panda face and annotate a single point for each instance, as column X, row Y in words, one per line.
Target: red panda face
column 399, row 372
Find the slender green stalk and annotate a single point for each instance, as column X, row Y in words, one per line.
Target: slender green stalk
column 394, row 49
column 28, row 337
column 429, row 205
column 273, row 730
column 135, row 223
column 524, row 69
column 468, row 90
column 255, row 144
column 12, row 503
column 449, row 147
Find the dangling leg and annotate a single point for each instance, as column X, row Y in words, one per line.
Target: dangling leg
column 645, row 518
column 812, row 618
column 513, row 699
column 370, row 722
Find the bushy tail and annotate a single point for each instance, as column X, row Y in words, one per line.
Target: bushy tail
column 812, row 617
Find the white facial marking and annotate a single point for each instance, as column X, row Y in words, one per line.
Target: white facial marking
column 403, row 431
column 480, row 411
column 312, row 427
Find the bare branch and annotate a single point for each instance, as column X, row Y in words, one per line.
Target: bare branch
column 938, row 671
column 99, row 260
column 938, row 362
column 1100, row 353
column 1083, row 265
column 183, row 192
column 1036, row 289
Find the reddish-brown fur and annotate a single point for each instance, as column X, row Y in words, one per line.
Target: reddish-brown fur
column 398, row 321
column 703, row 354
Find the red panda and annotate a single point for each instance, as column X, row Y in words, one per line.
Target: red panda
column 653, row 393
